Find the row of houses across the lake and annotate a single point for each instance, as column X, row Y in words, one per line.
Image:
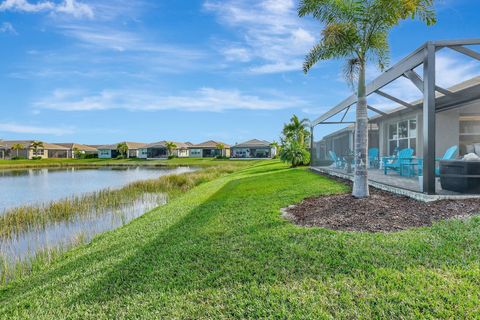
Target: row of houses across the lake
column 30, row 149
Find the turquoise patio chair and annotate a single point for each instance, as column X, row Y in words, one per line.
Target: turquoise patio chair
column 450, row 154
column 338, row 161
column 373, row 160
column 395, row 163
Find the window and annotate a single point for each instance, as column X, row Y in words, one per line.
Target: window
column 401, row 135
column 39, row 152
column 469, row 132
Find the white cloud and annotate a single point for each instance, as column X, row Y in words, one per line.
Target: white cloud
column 451, row 70
column 270, row 31
column 25, row 6
column 118, row 40
column 69, row 7
column 204, row 99
column 74, row 8
column 7, row 27
column 237, row 54
column 26, row 129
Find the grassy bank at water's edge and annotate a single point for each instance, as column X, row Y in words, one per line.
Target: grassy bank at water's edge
column 15, row 221
column 200, row 162
column 221, row 250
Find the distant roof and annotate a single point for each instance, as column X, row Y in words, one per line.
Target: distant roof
column 254, row 143
column 27, row 143
column 81, row 147
column 209, row 144
column 163, row 144
column 130, row 145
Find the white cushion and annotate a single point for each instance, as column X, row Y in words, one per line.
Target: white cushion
column 471, row 157
column 477, row 148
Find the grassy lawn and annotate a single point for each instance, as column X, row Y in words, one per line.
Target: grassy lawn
column 221, row 250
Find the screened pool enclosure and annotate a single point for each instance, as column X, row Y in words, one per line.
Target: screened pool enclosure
column 424, row 124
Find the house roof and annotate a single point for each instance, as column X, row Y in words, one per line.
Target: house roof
column 254, row 143
column 27, row 143
column 81, row 147
column 163, row 144
column 130, row 145
column 211, row 144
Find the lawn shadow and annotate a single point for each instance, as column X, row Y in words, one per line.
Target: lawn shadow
column 209, row 249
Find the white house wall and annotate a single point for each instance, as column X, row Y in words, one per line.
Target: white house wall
column 104, row 154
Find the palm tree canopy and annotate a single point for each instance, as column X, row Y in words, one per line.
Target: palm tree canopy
column 18, row 146
column 122, row 148
column 37, row 144
column 170, row 145
column 220, row 146
column 357, row 30
column 296, row 129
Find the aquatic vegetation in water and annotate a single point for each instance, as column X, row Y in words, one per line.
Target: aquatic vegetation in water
column 32, row 236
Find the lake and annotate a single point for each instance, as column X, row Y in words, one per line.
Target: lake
column 41, row 187
column 36, row 186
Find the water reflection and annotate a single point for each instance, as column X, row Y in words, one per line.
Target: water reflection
column 24, row 245
column 35, row 186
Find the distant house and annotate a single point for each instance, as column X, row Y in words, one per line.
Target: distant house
column 209, row 149
column 48, row 150
column 159, row 150
column 254, row 148
column 82, row 149
column 135, row 150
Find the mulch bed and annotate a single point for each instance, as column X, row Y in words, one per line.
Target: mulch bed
column 382, row 211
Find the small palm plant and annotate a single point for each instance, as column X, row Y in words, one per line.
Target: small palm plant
column 221, row 147
column 294, row 153
column 122, row 148
column 357, row 30
column 275, row 145
column 76, row 153
column 35, row 145
column 170, row 147
column 17, row 147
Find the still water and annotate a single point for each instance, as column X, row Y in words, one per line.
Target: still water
column 36, row 186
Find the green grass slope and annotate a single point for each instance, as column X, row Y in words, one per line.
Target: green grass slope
column 221, row 250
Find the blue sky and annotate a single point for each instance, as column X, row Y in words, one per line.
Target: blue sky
column 103, row 71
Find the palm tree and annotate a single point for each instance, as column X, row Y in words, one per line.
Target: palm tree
column 297, row 130
column 122, row 148
column 17, row 147
column 76, row 153
column 35, row 145
column 170, row 147
column 220, row 146
column 357, row 30
column 275, row 145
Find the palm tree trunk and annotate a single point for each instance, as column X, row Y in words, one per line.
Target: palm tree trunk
column 360, row 182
